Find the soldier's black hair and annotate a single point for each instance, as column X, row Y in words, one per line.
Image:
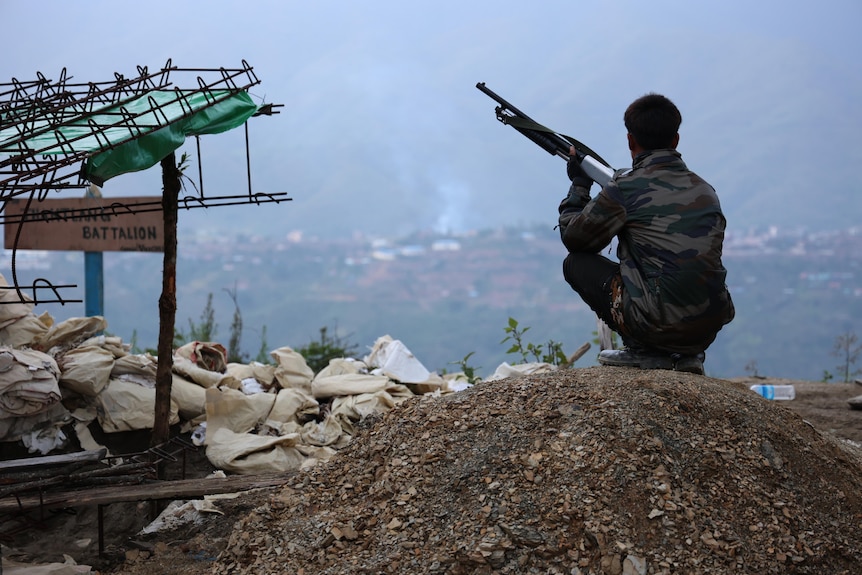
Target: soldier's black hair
column 653, row 120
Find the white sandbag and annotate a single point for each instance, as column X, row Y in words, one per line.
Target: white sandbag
column 357, row 407
column 456, row 382
column 138, row 364
column 505, row 370
column 11, row 307
column 247, row 453
column 28, row 382
column 236, row 411
column 25, row 330
column 261, row 372
column 201, row 376
column 322, row 433
column 341, row 366
column 69, row 333
column 112, row 343
column 208, row 355
column 69, row 567
column 180, row 513
column 44, row 440
column 314, row 455
column 191, row 399
column 126, row 406
column 348, row 384
column 137, row 368
column 293, row 405
column 272, row 427
column 434, row 383
column 86, row 370
column 291, row 369
column 13, row 428
column 392, row 358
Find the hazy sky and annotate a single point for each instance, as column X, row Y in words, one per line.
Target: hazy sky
column 383, row 131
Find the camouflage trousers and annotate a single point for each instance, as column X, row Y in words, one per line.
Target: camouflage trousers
column 597, row 280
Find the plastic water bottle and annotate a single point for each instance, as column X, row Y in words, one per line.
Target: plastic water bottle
column 783, row 392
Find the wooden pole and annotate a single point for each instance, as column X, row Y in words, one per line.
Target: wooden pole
column 606, row 338
column 167, row 302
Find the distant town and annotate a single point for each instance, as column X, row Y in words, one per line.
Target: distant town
column 423, row 257
column 795, row 291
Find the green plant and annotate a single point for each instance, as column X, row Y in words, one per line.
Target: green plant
column 468, row 370
column 206, row 329
column 263, row 352
column 318, row 353
column 826, row 376
column 550, row 352
column 133, row 343
column 203, row 331
column 233, row 352
column 182, row 165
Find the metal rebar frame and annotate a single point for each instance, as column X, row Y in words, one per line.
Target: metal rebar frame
column 41, row 107
column 114, row 470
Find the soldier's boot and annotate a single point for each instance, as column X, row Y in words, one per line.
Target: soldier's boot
column 689, row 363
column 635, row 357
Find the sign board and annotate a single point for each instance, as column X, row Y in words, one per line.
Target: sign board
column 86, row 224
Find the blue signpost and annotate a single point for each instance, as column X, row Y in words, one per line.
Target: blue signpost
column 94, row 284
column 94, row 274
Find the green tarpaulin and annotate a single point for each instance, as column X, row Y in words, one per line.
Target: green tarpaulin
column 136, row 134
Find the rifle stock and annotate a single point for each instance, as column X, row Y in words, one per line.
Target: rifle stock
column 552, row 142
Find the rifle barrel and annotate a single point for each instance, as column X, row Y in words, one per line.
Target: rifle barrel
column 552, row 142
column 503, row 103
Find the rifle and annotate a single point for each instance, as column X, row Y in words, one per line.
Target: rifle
column 552, row 142
column 558, row 145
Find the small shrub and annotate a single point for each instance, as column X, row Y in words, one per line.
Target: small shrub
column 550, row 352
column 468, row 370
column 318, row 353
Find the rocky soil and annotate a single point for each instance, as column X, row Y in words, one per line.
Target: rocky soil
column 581, row 471
column 597, row 470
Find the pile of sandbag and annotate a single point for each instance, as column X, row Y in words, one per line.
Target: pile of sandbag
column 30, row 398
column 42, row 363
column 251, row 418
column 262, row 418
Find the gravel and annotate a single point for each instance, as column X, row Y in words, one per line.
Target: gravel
column 580, row 471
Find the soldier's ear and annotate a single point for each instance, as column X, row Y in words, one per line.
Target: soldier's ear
column 675, row 141
column 632, row 142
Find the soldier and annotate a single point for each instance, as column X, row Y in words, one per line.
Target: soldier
column 666, row 295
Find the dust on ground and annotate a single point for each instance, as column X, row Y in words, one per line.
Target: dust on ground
column 595, row 470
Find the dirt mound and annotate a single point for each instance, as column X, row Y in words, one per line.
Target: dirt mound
column 597, row 470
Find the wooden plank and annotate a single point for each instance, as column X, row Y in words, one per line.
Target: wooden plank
column 579, row 353
column 182, row 489
column 48, row 460
column 86, row 225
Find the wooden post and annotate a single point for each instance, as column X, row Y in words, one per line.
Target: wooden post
column 606, row 338
column 167, row 302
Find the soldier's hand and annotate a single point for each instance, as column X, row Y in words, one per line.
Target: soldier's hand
column 574, row 170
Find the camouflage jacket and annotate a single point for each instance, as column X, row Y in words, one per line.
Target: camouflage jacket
column 671, row 292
